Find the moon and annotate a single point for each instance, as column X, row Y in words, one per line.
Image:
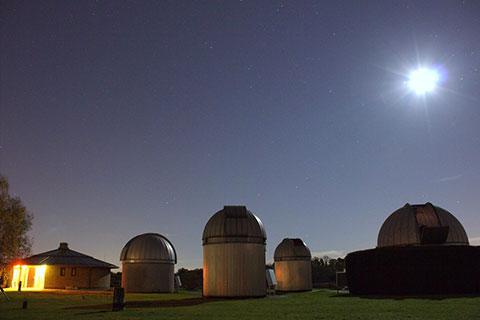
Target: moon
column 423, row 80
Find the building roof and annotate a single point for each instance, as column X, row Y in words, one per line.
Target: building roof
column 234, row 224
column 65, row 256
column 149, row 247
column 292, row 249
column 421, row 225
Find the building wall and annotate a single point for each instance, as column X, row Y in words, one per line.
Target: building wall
column 100, row 278
column 147, row 277
column 86, row 277
column 294, row 275
column 432, row 269
column 234, row 270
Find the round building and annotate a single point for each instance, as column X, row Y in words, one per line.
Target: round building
column 62, row 268
column 234, row 242
column 421, row 249
column 293, row 266
column 148, row 264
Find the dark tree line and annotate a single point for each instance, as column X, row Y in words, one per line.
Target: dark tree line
column 191, row 279
column 324, row 269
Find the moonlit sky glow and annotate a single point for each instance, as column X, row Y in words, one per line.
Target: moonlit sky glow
column 124, row 117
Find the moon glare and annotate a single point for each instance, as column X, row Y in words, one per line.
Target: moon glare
column 423, row 80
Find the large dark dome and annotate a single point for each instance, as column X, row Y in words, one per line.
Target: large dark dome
column 234, row 224
column 149, row 247
column 421, row 225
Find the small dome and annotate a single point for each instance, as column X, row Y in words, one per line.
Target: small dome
column 150, row 247
column 292, row 249
column 421, row 225
column 234, row 224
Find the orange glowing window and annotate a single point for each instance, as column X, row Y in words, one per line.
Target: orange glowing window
column 31, row 277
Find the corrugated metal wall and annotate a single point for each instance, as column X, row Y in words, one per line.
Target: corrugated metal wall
column 234, row 270
column 147, row 277
column 294, row 275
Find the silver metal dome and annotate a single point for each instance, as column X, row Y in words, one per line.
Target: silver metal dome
column 152, row 247
column 234, row 224
column 421, row 225
column 292, row 249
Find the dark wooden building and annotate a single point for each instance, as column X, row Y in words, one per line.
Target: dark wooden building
column 420, row 249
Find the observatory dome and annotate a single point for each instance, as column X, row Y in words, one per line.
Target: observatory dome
column 421, row 224
column 234, row 254
column 149, row 247
column 292, row 249
column 234, row 224
column 148, row 264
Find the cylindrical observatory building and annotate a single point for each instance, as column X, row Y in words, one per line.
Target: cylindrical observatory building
column 293, row 266
column 148, row 264
column 421, row 249
column 234, row 242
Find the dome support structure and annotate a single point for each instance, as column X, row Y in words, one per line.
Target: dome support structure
column 419, row 251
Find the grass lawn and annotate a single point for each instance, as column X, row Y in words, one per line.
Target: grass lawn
column 186, row 305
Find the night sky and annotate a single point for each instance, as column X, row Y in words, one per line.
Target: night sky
column 120, row 118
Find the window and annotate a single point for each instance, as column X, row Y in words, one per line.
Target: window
column 62, row 272
column 74, row 272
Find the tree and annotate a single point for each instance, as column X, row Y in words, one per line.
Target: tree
column 15, row 222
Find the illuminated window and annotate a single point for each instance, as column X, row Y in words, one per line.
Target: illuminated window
column 31, row 276
column 74, row 272
column 62, row 272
